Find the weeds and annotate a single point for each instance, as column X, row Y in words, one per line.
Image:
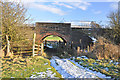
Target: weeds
column 24, row 67
column 107, row 67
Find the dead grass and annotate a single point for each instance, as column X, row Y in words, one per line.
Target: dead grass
column 107, row 67
column 103, row 49
column 107, row 50
column 19, row 67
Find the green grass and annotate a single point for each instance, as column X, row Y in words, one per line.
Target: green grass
column 25, row 67
column 100, row 66
column 52, row 38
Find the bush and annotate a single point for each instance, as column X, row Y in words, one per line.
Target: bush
column 106, row 50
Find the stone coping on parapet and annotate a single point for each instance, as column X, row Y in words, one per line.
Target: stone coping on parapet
column 51, row 23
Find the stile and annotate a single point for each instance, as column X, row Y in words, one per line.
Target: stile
column 39, row 47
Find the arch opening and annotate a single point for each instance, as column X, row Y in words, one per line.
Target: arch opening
column 52, row 44
column 52, row 41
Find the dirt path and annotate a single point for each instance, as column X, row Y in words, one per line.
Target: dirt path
column 51, row 51
column 69, row 70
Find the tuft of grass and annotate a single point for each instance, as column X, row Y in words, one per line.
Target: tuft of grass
column 25, row 67
column 104, row 66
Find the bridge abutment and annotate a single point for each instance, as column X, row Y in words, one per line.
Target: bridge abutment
column 76, row 37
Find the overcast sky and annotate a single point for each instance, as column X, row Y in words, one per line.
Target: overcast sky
column 70, row 10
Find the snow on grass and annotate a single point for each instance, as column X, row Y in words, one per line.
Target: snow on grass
column 69, row 70
column 100, row 75
column 46, row 64
column 94, row 39
column 59, row 68
column 18, row 67
column 102, row 68
column 47, row 74
column 83, row 57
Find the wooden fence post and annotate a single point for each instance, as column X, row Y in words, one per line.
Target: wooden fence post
column 34, row 36
column 38, row 49
column 88, row 49
column 94, row 44
column 72, row 45
column 45, row 42
column 8, row 44
column 65, row 45
column 42, row 47
column 84, row 50
column 78, row 49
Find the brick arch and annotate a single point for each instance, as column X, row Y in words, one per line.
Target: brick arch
column 40, row 38
column 62, row 30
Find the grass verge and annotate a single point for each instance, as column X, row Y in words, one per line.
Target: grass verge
column 19, row 67
column 107, row 67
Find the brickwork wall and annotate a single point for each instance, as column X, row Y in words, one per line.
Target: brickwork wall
column 80, row 39
column 62, row 30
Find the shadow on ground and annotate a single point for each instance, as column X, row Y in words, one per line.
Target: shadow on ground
column 51, row 51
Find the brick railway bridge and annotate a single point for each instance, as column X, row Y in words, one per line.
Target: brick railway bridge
column 62, row 30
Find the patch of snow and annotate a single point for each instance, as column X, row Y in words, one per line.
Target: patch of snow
column 55, row 57
column 50, row 46
column 84, row 57
column 73, row 58
column 79, row 57
column 60, row 70
column 33, row 76
column 106, row 69
column 94, row 39
column 95, row 63
column 68, row 70
column 111, row 61
column 46, row 64
column 41, row 73
column 80, row 62
column 116, row 63
column 48, row 68
column 47, row 74
column 98, row 60
column 100, row 75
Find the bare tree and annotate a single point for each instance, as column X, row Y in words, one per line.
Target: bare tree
column 115, row 25
column 13, row 21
